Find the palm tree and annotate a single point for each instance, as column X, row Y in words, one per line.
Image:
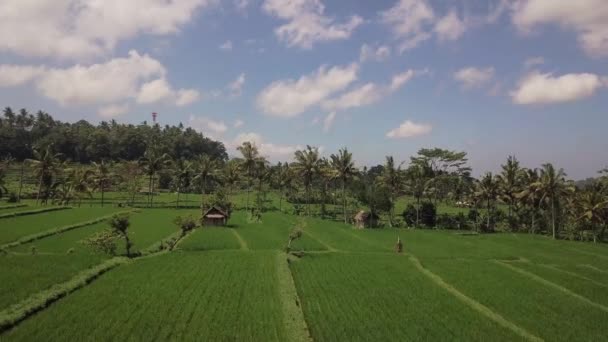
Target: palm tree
column 284, row 179
column 307, row 165
column 593, row 206
column 182, row 173
column 153, row 162
column 531, row 194
column 553, row 186
column 102, row 177
column 45, row 164
column 510, row 182
column 205, row 167
column 418, row 181
column 263, row 174
column 487, row 190
column 251, row 156
column 3, row 188
column 231, row 175
column 81, row 181
column 392, row 179
column 343, row 168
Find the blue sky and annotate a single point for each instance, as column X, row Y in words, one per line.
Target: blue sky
column 493, row 78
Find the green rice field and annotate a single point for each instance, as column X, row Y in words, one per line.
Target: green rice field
column 228, row 283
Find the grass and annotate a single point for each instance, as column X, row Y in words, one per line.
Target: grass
column 232, row 283
column 359, row 297
column 170, row 298
column 13, row 228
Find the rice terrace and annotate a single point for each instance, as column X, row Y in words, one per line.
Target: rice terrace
column 303, row 170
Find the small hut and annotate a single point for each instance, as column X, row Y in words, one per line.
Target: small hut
column 215, row 217
column 365, row 219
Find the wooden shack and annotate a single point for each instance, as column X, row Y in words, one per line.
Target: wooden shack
column 215, row 216
column 365, row 219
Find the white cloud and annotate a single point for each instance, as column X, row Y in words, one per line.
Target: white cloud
column 415, row 21
column 226, row 46
column 329, row 121
column 236, row 86
column 367, row 94
column 154, row 91
column 206, row 125
column 473, row 77
column 186, row 97
column 409, row 129
column 241, row 5
column 74, row 29
column 450, row 27
column 307, row 24
column 378, row 54
column 238, row 123
column 534, row 61
column 288, row 98
column 112, row 111
column 14, row 75
column 138, row 77
column 266, row 149
column 537, row 88
column 588, row 18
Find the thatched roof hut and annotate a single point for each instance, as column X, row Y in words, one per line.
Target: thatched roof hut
column 365, row 219
column 215, row 216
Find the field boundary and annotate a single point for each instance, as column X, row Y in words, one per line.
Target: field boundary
column 573, row 274
column 242, row 242
column 472, row 303
column 19, row 312
column 323, row 243
column 552, row 285
column 55, row 231
column 32, row 212
column 13, row 206
column 295, row 326
column 591, row 267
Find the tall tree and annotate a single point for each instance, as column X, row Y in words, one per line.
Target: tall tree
column 392, row 179
column 307, row 166
column 592, row 205
column 102, row 177
column 45, row 164
column 152, row 163
column 553, row 186
column 418, row 177
column 182, row 175
column 251, row 156
column 531, row 195
column 284, row 180
column 205, row 167
column 343, row 168
column 487, row 190
column 510, row 182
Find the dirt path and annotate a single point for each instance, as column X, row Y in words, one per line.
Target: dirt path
column 293, row 318
column 242, row 241
column 475, row 305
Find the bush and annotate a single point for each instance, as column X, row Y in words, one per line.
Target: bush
column 409, row 215
column 428, row 214
column 12, row 198
column 453, row 221
column 186, row 224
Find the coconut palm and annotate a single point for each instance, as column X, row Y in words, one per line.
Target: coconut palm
column 45, row 164
column 510, row 182
column 205, row 167
column 553, row 186
column 3, row 189
column 592, row 204
column 102, row 177
column 487, row 190
column 153, row 162
column 284, row 180
column 418, row 180
column 81, row 180
column 263, row 174
column 231, row 175
column 251, row 156
column 531, row 195
column 307, row 165
column 343, row 168
column 392, row 179
column 182, row 174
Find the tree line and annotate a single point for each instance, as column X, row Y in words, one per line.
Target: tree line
column 534, row 200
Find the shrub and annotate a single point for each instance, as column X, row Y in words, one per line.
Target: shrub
column 12, row 198
column 71, row 251
column 409, row 215
column 186, row 224
column 428, row 214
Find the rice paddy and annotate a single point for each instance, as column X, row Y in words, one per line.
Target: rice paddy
column 231, row 283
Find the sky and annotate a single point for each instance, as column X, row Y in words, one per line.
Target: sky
column 491, row 77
